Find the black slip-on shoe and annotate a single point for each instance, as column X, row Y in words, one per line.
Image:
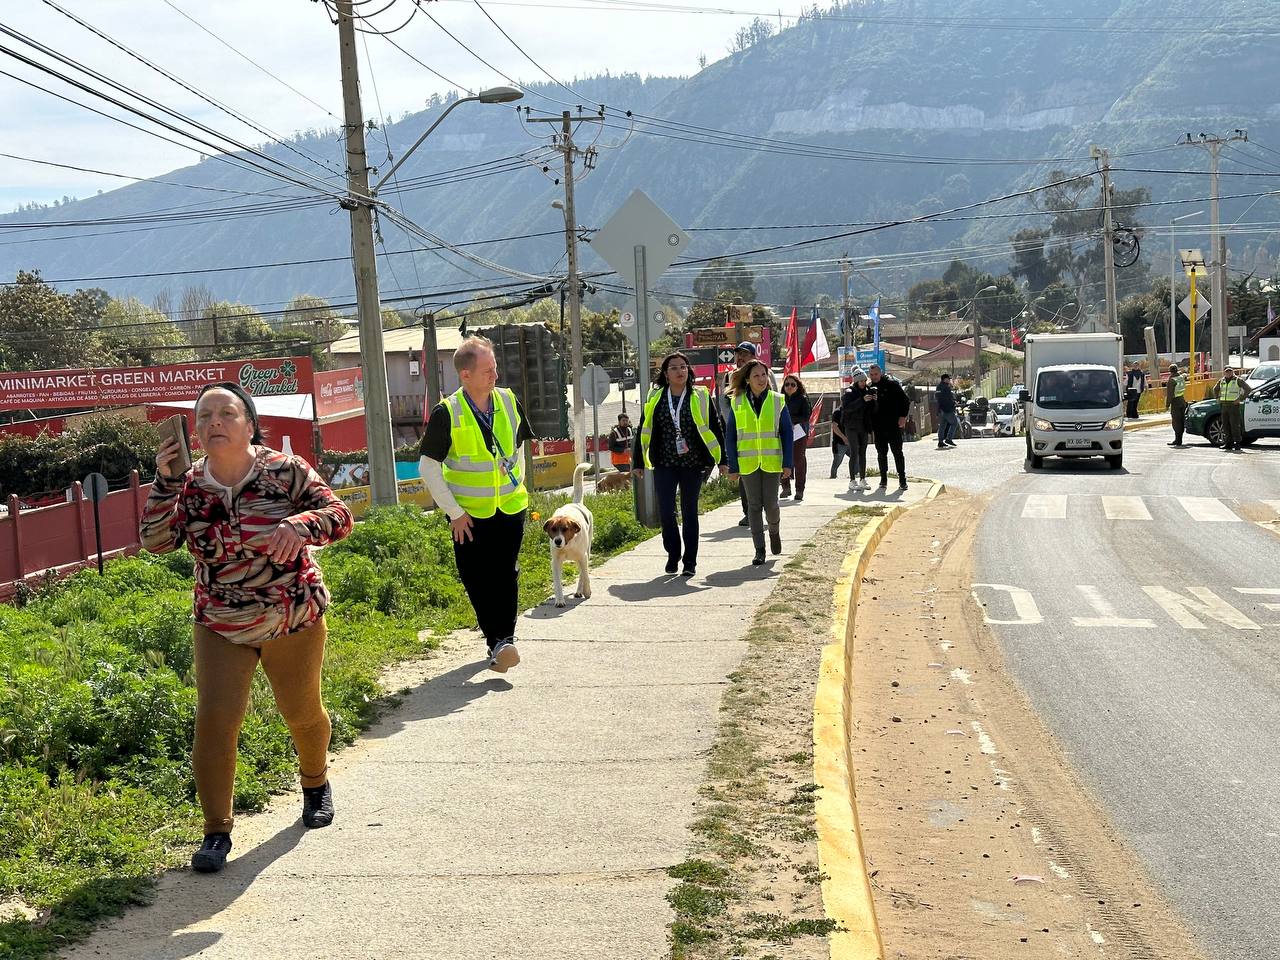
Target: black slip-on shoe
column 317, row 806
column 212, row 855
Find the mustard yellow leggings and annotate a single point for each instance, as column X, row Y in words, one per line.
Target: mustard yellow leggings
column 224, row 676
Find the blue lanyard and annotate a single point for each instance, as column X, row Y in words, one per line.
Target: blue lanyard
column 486, row 419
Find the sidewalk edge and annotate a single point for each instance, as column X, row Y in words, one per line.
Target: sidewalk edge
column 846, row 885
column 1147, row 424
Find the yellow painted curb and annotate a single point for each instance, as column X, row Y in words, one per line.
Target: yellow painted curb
column 846, row 887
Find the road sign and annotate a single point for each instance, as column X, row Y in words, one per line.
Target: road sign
column 631, row 330
column 594, row 384
column 712, row 336
column 1202, row 306
column 627, row 321
column 1237, row 330
column 725, row 355
column 95, row 488
column 639, row 222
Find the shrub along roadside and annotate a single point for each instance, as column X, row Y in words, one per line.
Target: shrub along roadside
column 97, row 706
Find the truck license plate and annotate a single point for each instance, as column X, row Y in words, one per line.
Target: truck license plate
column 1079, row 444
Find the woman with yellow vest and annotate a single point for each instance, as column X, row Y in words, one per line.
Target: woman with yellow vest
column 470, row 460
column 681, row 441
column 758, row 438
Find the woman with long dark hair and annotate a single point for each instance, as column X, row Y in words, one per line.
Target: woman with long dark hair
column 800, row 408
column 758, row 438
column 681, row 441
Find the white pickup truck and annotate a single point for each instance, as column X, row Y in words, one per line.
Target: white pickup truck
column 1074, row 405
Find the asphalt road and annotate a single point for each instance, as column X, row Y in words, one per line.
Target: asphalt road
column 1140, row 612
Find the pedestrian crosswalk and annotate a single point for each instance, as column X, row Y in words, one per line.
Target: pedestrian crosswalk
column 1062, row 506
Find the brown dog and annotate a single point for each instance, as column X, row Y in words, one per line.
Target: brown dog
column 570, row 530
column 614, row 481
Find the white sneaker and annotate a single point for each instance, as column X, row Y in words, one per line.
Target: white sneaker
column 853, row 486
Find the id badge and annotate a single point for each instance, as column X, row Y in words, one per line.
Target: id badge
column 682, row 447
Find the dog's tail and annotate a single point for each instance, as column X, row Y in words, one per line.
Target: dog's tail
column 578, row 473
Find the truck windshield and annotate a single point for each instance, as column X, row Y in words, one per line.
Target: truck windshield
column 1077, row 390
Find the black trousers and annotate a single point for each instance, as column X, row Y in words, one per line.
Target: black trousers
column 890, row 438
column 489, row 567
column 687, row 482
column 1131, row 404
column 1178, row 410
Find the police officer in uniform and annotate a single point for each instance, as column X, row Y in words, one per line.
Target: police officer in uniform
column 471, row 462
column 1175, row 398
column 1231, row 392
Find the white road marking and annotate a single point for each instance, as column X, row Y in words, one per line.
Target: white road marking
column 1125, row 508
column 1262, row 592
column 1185, row 611
column 1208, row 510
column 1106, row 613
column 1043, row 506
column 1024, row 604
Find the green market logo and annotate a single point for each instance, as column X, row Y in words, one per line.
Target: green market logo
column 270, row 381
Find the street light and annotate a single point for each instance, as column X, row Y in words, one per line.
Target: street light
column 1173, row 281
column 491, row 95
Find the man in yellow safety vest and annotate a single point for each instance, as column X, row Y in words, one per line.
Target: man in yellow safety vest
column 1175, row 399
column 470, row 460
column 1231, row 392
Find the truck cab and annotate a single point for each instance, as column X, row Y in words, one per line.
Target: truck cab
column 1074, row 405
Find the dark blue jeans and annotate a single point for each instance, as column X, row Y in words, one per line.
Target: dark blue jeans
column 688, row 482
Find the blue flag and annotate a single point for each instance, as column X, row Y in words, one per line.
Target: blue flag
column 875, row 325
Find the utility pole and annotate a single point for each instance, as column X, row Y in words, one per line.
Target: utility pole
column 565, row 145
column 377, row 403
column 1217, row 244
column 431, row 362
column 977, row 352
column 848, row 318
column 1108, row 236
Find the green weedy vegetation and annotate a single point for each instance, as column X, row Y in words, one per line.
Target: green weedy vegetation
column 97, row 705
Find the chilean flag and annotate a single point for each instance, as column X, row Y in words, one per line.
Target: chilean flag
column 815, row 341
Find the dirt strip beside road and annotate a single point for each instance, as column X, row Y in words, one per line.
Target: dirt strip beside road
column 980, row 841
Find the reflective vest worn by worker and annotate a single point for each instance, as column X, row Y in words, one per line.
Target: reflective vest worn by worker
column 1229, row 391
column 759, row 445
column 1179, row 385
column 700, row 408
column 485, row 480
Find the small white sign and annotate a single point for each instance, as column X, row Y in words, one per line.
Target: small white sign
column 1202, row 306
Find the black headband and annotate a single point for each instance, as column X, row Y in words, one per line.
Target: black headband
column 244, row 397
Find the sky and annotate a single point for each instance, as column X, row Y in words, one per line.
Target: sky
column 295, row 40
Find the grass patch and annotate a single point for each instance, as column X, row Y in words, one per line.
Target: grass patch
column 753, row 881
column 97, row 703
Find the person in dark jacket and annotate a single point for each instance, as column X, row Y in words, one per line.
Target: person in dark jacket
column 839, row 443
column 681, row 439
column 889, row 409
column 800, row 407
column 855, row 424
column 948, row 421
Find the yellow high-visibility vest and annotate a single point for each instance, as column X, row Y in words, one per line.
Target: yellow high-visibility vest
column 759, row 445
column 1230, row 391
column 484, row 481
column 699, row 406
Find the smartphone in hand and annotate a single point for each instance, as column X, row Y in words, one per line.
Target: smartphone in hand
column 176, row 428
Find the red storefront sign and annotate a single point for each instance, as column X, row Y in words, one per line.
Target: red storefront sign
column 338, row 392
column 123, row 386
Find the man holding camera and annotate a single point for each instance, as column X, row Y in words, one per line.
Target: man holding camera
column 889, row 409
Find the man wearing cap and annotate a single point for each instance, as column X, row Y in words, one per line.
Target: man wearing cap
column 1230, row 392
column 743, row 354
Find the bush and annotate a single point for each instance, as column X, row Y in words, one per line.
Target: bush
column 110, row 445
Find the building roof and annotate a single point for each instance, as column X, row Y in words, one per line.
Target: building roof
column 402, row 340
column 924, row 328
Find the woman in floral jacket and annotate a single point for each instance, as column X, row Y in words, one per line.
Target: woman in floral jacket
column 249, row 515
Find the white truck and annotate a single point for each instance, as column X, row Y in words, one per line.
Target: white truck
column 1073, row 398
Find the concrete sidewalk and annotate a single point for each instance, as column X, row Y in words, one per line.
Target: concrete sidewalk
column 526, row 816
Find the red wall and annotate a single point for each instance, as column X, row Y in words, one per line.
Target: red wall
column 33, row 541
